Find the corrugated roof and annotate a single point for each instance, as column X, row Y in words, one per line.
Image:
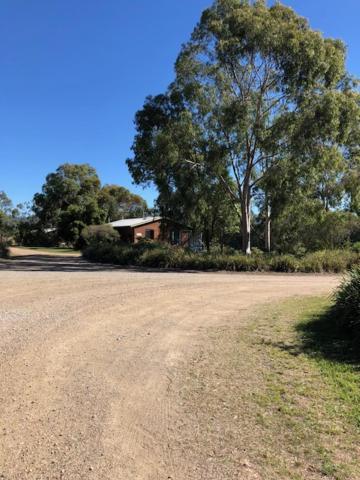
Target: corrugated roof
column 134, row 222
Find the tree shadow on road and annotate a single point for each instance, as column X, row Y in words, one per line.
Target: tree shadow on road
column 50, row 263
column 67, row 263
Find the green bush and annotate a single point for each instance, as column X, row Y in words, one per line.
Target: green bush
column 157, row 258
column 284, row 263
column 347, row 301
column 355, row 247
column 334, row 261
column 98, row 234
column 155, row 254
column 4, row 249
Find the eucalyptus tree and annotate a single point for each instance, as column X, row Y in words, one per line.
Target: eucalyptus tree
column 351, row 179
column 68, row 201
column 258, row 87
column 188, row 192
column 6, row 216
column 118, row 202
column 72, row 197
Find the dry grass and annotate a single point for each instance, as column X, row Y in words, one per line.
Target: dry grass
column 259, row 404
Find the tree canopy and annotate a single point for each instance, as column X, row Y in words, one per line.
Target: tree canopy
column 256, row 92
column 72, row 198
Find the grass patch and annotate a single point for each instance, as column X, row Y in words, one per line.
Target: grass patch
column 332, row 348
column 277, row 398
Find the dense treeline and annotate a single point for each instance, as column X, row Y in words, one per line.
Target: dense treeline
column 10, row 218
column 71, row 198
column 257, row 138
column 256, row 143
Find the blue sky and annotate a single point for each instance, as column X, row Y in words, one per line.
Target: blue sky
column 74, row 72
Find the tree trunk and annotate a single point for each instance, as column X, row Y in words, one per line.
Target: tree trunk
column 267, row 225
column 245, row 222
column 207, row 240
column 222, row 237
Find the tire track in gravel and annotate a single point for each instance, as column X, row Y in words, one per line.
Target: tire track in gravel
column 88, row 358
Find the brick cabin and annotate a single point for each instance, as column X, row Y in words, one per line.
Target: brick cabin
column 132, row 230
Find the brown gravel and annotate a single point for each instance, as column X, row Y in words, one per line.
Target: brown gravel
column 88, row 355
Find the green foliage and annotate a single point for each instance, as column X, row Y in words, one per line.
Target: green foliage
column 97, row 235
column 8, row 219
column 187, row 194
column 285, row 263
column 118, row 202
column 347, row 302
column 355, row 247
column 305, row 226
column 68, row 201
column 159, row 255
column 6, row 205
column 250, row 99
column 329, row 261
column 72, row 198
column 4, row 249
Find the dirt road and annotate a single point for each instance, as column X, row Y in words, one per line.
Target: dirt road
column 89, row 355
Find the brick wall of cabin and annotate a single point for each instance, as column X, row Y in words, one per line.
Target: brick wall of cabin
column 140, row 231
column 133, row 235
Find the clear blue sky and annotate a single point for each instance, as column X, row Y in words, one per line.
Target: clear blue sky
column 74, row 72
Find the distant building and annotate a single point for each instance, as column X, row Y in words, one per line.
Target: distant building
column 132, row 230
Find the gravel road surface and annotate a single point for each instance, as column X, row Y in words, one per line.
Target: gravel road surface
column 89, row 354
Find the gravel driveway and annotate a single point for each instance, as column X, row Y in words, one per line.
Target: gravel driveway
column 88, row 355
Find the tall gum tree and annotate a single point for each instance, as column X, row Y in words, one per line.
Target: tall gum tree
column 257, row 86
column 189, row 193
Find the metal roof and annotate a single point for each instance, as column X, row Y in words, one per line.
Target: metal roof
column 134, row 222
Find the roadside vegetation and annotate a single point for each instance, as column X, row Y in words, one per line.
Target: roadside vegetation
column 347, row 305
column 72, row 197
column 277, row 397
column 102, row 244
column 4, row 249
column 255, row 134
column 255, row 146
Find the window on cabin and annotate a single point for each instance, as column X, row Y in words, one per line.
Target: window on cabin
column 149, row 233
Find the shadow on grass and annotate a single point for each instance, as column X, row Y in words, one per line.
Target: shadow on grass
column 325, row 336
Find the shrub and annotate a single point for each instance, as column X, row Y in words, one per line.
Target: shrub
column 347, row 301
column 4, row 249
column 284, row 263
column 98, row 234
column 156, row 254
column 257, row 251
column 158, row 257
column 335, row 261
column 355, row 247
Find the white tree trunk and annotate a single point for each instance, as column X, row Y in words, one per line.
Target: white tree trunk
column 246, row 223
column 267, row 226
